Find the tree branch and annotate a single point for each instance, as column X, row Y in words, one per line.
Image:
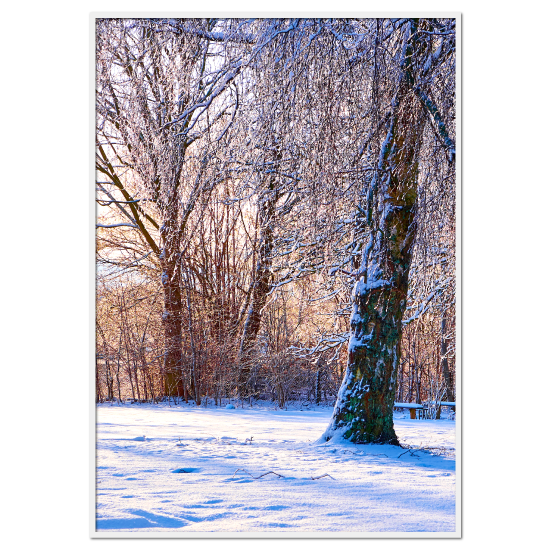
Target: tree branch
column 432, row 109
column 110, row 172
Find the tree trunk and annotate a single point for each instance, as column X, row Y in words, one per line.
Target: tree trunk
column 321, row 367
column 172, row 314
column 445, row 362
column 318, row 387
column 364, row 409
column 262, row 286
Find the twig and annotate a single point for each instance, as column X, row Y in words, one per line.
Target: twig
column 412, row 450
column 243, row 470
column 324, row 475
column 351, row 452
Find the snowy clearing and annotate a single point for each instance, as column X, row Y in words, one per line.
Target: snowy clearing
column 192, row 469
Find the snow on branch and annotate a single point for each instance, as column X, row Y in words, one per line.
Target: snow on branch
column 214, row 36
column 424, row 306
column 117, row 225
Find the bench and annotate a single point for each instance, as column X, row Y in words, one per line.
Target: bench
column 424, row 411
column 413, row 407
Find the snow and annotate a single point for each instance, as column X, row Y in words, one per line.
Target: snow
column 194, row 469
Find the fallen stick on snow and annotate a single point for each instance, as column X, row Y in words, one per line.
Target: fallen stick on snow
column 324, row 475
column 243, row 470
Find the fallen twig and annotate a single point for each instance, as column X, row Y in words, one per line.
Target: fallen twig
column 412, row 451
column 243, row 470
column 324, row 475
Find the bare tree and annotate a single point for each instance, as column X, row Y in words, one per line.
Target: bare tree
column 165, row 103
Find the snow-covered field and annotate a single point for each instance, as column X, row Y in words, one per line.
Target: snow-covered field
column 191, row 469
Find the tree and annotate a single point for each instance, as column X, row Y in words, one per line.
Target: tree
column 364, row 409
column 165, row 103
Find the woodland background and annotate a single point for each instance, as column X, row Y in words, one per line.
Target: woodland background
column 272, row 167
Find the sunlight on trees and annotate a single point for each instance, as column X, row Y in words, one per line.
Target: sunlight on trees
column 276, row 214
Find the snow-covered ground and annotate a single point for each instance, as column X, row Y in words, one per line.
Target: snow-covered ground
column 191, row 469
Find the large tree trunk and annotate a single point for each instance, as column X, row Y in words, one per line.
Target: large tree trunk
column 364, row 409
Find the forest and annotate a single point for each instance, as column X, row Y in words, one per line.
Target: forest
column 276, row 205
